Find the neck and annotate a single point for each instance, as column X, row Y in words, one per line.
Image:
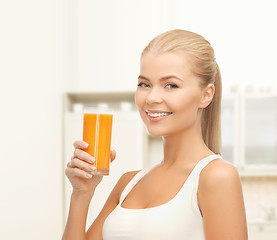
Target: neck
column 184, row 147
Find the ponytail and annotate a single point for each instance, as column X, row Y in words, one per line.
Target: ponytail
column 211, row 122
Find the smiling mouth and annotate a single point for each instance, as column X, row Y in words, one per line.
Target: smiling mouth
column 158, row 114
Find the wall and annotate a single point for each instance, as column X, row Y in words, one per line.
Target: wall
column 32, row 83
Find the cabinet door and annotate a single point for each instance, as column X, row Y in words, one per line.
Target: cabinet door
column 260, row 125
column 126, row 140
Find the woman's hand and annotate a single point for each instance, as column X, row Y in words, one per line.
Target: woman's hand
column 79, row 170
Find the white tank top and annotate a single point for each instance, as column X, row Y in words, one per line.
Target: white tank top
column 180, row 218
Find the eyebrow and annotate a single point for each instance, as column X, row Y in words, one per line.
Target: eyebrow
column 162, row 79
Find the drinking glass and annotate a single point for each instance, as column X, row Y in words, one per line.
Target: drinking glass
column 97, row 132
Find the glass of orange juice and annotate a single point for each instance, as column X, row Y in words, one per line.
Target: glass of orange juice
column 97, row 132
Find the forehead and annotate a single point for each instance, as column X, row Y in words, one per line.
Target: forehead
column 165, row 63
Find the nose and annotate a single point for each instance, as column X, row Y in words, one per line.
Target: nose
column 154, row 96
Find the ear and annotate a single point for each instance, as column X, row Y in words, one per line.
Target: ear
column 207, row 95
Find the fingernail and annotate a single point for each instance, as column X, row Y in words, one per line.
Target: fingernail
column 92, row 167
column 88, row 175
column 92, row 159
column 86, row 144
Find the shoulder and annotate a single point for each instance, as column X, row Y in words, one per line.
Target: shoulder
column 219, row 182
column 127, row 176
column 218, row 172
column 220, row 201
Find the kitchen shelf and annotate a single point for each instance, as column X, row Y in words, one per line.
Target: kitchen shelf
column 112, row 98
column 81, row 96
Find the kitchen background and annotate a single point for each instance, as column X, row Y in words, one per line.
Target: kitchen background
column 60, row 55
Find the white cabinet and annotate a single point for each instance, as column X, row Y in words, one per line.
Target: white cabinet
column 249, row 133
column 229, row 131
column 260, row 129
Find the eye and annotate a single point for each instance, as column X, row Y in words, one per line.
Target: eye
column 143, row 85
column 172, row 86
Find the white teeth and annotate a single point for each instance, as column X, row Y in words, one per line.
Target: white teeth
column 158, row 114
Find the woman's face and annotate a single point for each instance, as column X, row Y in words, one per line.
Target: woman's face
column 168, row 95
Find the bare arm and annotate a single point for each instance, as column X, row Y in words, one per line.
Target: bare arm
column 84, row 186
column 220, row 199
column 76, row 223
column 77, row 216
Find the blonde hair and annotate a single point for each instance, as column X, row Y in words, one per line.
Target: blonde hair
column 205, row 67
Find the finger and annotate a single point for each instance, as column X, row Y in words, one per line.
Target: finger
column 78, row 153
column 77, row 163
column 79, row 173
column 80, row 144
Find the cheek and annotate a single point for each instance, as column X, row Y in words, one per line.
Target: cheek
column 187, row 108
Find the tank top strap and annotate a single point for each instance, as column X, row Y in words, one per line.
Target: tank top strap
column 132, row 183
column 195, row 178
column 204, row 162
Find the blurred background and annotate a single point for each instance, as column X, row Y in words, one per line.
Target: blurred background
column 57, row 56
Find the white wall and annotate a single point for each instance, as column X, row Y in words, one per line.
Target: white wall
column 32, row 82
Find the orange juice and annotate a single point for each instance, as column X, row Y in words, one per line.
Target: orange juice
column 97, row 131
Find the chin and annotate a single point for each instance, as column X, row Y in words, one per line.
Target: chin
column 156, row 132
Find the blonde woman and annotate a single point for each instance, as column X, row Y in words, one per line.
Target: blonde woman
column 193, row 194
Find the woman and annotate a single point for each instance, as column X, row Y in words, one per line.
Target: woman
column 193, row 193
